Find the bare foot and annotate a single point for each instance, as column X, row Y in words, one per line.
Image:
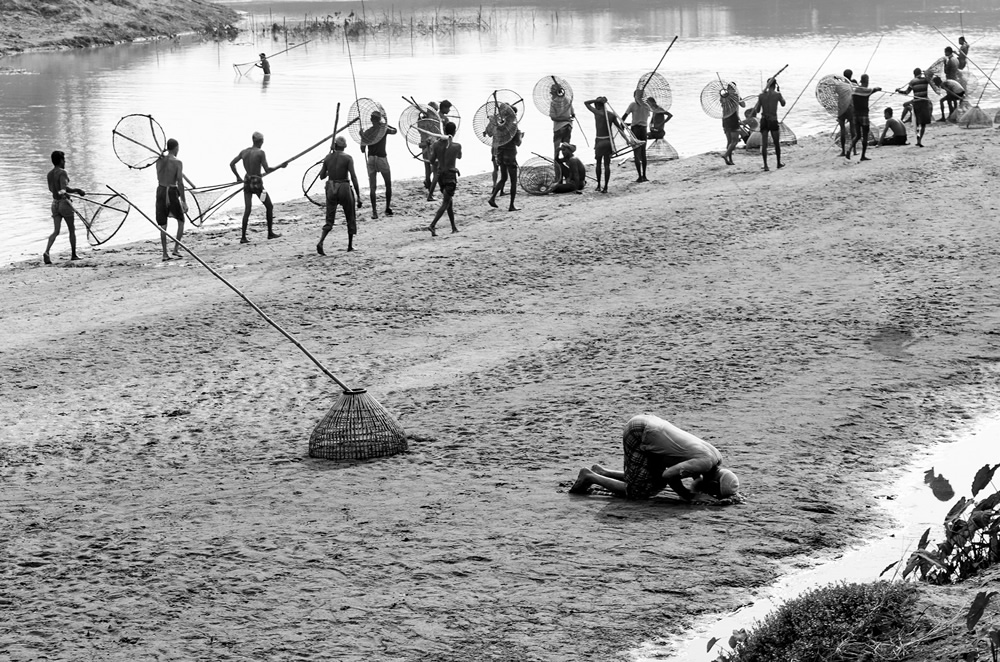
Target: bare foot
column 75, row 257
column 492, row 203
column 454, row 230
column 244, row 240
column 350, row 248
column 166, row 258
column 780, row 166
column 865, row 158
column 46, row 259
column 513, row 208
column 431, row 228
column 273, row 235
column 767, row 169
column 598, row 469
column 319, row 249
column 582, row 483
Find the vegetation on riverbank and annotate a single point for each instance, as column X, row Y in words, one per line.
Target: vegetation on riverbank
column 889, row 621
column 53, row 24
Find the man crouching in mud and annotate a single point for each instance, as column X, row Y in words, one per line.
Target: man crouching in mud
column 659, row 454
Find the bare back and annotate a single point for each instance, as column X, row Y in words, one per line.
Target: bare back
column 169, row 171
column 254, row 161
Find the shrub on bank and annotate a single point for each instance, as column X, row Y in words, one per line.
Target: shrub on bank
column 838, row 622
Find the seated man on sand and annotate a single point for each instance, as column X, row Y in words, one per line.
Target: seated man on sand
column 657, row 455
column 573, row 173
column 898, row 130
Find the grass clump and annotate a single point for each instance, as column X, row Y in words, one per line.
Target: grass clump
column 835, row 623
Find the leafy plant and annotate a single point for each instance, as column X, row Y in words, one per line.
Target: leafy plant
column 971, row 542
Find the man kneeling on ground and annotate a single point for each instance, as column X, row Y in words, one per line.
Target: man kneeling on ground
column 657, row 455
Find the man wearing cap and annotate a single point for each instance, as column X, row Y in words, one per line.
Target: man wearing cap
column 658, row 454
column 573, row 174
column 255, row 164
column 264, row 64
column 337, row 166
column 377, row 161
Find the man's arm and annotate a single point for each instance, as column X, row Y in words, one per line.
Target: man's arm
column 232, row 166
column 322, row 171
column 391, row 130
column 64, row 184
column 354, row 180
column 180, row 185
column 667, row 116
column 781, row 99
column 882, row 137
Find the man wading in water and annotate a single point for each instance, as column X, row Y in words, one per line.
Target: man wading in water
column 659, row 455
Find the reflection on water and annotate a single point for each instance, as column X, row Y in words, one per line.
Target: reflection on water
column 72, row 100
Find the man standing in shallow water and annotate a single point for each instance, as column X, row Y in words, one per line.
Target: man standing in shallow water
column 767, row 105
column 255, row 164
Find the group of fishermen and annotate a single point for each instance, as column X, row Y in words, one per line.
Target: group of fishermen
column 440, row 152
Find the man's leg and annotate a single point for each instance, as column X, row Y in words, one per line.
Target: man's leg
column 269, row 211
column 776, row 139
column 247, row 196
column 331, row 217
column 57, row 225
column 637, row 161
column 597, row 165
column 387, row 180
column 513, row 185
column 372, row 183
column 163, row 239
column 180, row 235
column 71, row 229
column 451, row 209
column 586, row 478
column 763, row 145
column 607, row 169
column 350, row 213
column 498, row 185
column 445, row 206
column 843, row 135
column 864, row 142
column 644, row 161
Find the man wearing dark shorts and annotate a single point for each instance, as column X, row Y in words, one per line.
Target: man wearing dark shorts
column 640, row 126
column 573, row 174
column 62, row 208
column 658, row 454
column 170, row 199
column 505, row 154
column 604, row 119
column 255, row 164
column 922, row 108
column 954, row 94
column 862, row 95
column 446, row 155
column 767, row 105
column 338, row 166
column 731, row 124
column 378, row 162
column 898, row 130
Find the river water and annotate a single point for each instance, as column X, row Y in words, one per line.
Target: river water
column 72, row 100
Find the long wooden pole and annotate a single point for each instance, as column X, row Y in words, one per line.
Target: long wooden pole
column 662, row 57
column 810, row 80
column 256, row 308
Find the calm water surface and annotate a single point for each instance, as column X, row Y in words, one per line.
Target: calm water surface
column 72, row 100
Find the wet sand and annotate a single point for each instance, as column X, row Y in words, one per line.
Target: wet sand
column 816, row 324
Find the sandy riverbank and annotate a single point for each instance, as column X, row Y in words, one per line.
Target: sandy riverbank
column 31, row 25
column 817, row 324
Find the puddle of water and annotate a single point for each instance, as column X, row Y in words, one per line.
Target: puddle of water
column 916, row 507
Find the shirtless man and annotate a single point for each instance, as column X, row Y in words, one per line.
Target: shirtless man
column 62, row 208
column 963, row 52
column 573, row 174
column 255, row 164
column 170, row 199
column 505, row 154
column 378, row 162
column 845, row 118
column 954, row 94
column 658, row 119
column 337, row 166
column 861, row 97
column 561, row 113
column 264, row 64
column 604, row 119
column 767, row 106
column 950, row 64
column 431, row 120
column 446, row 155
column 898, row 130
column 640, row 129
column 923, row 111
column 659, row 455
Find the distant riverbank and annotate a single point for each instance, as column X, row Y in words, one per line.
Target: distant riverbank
column 57, row 24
